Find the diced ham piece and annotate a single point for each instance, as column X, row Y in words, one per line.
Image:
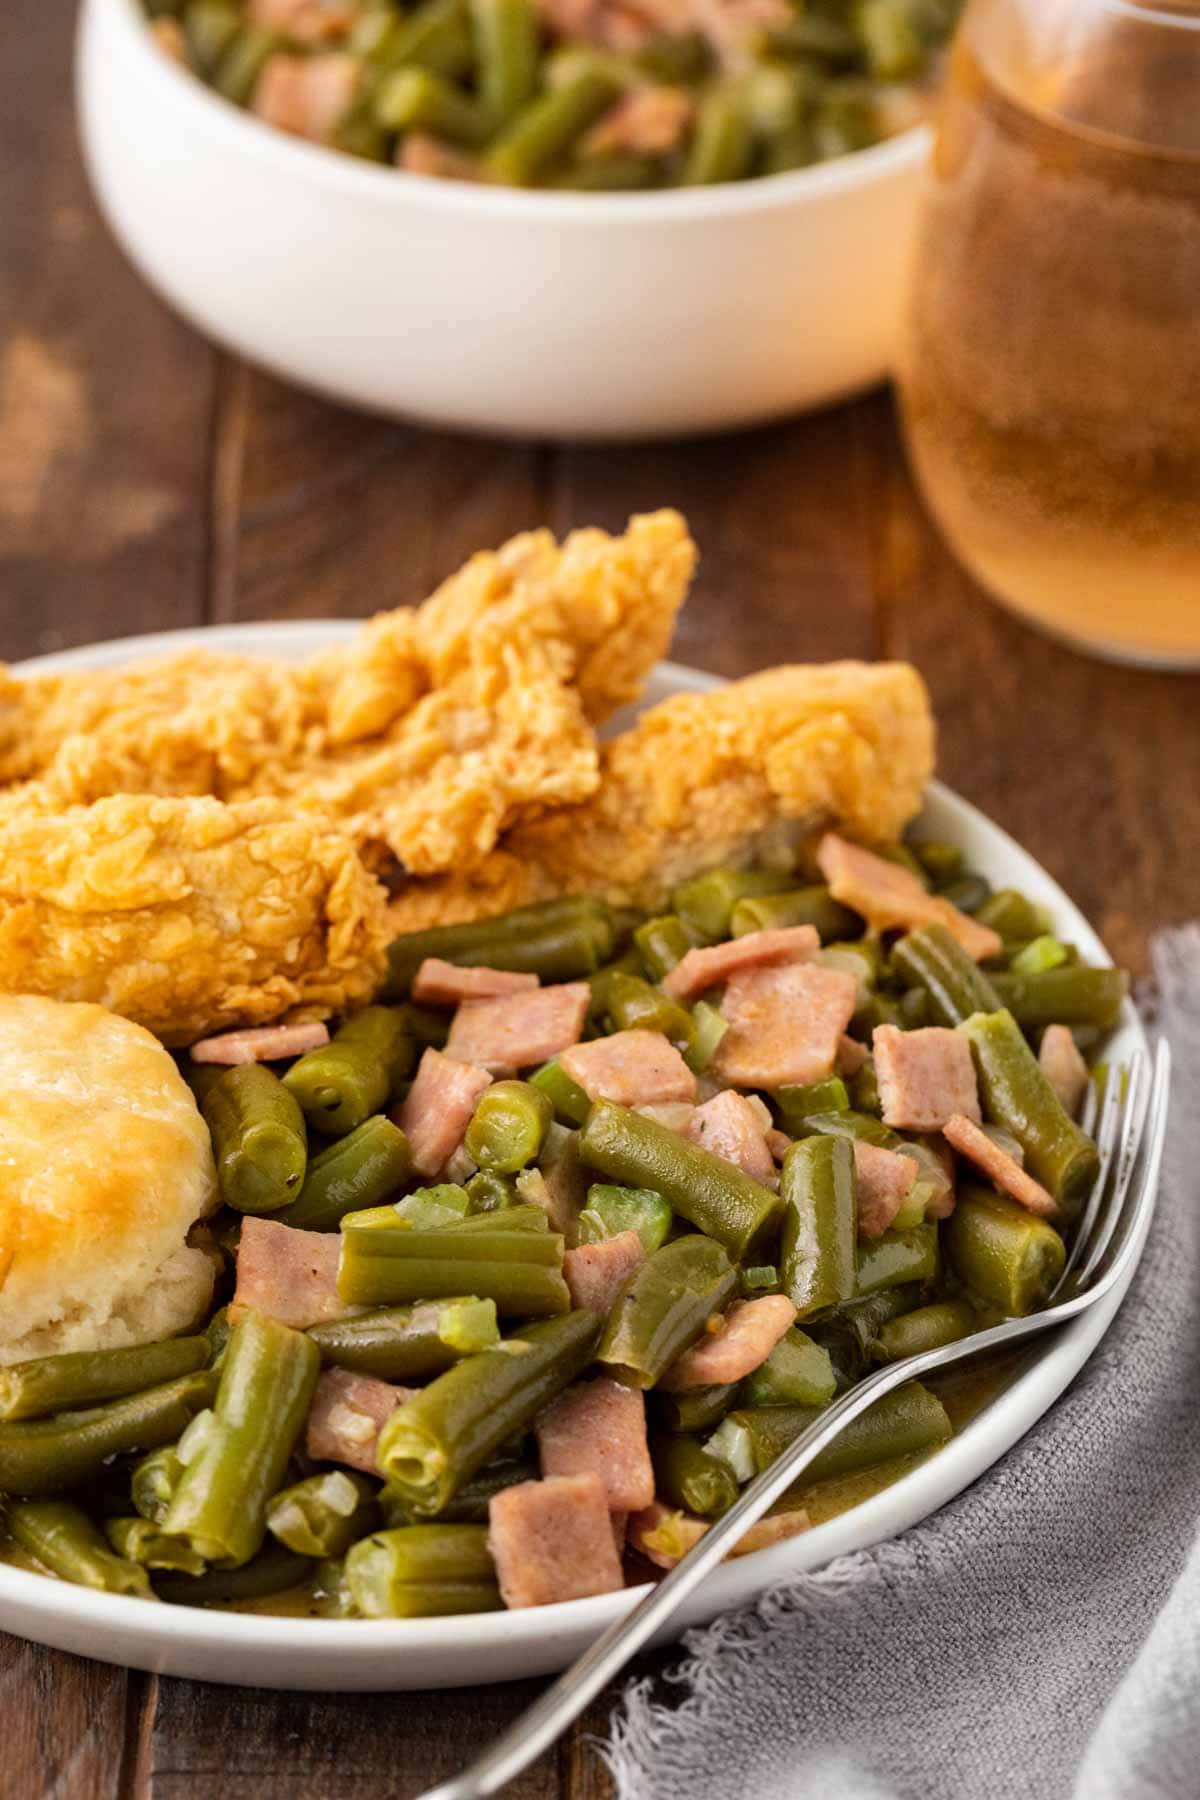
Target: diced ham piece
column 625, row 25
column 975, row 1144
column 599, row 1428
column 730, row 1127
column 306, row 21
column 785, row 1023
column 289, row 1275
column 168, row 35
column 631, row 1067
column 553, row 1540
column 745, row 1338
column 883, row 1179
column 265, row 1043
column 778, row 1143
column 517, row 1030
column 941, row 1205
column 347, row 1414
column 925, row 1077
column 703, row 969
column 888, row 895
column 1064, row 1067
column 438, row 1107
column 851, row 1055
column 674, row 1114
column 646, row 122
column 596, row 1273
column 438, row 983
column 417, row 153
column 665, row 1536
column 305, row 95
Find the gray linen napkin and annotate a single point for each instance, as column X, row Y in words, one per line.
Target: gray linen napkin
column 1040, row 1636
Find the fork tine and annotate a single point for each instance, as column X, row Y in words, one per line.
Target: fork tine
column 1106, row 1138
column 1137, row 1112
column 1087, row 1118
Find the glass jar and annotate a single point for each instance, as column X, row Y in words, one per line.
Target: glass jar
column 1050, row 378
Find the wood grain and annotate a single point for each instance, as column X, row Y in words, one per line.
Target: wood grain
column 104, row 396
column 65, row 1724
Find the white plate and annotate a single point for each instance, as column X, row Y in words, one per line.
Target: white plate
column 326, row 1654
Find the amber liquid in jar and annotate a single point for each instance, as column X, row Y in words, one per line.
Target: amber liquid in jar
column 1051, row 376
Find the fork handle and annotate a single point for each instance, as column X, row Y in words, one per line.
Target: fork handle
column 566, row 1698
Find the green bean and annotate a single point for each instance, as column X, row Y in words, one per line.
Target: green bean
column 709, row 1027
column 489, row 1192
column 520, row 1270
column 430, row 1029
column 722, row 142
column 408, row 1343
column 275, row 1570
column 433, row 1444
column 861, row 959
column 243, row 62
column 557, row 940
column 899, row 1424
column 850, row 1331
column 663, row 942
column 898, row 1257
column 675, row 57
column 153, row 1482
column 970, row 893
column 48, row 1384
column 1039, row 955
column 208, row 32
column 957, row 987
column 1017, row 1095
column 1072, row 995
column 234, row 1457
column 687, row 1475
column 508, row 1126
column 139, row 1541
column 758, row 1278
column 792, row 149
column 696, row 1409
column 601, row 984
column 632, row 1005
column 1003, row 1254
column 928, row 1328
column 916, row 1009
column 893, row 47
column 706, row 902
column 815, row 34
column 66, row 1542
column 351, row 1174
column 425, row 1209
column 820, row 1223
column 525, row 1216
column 797, row 1104
column 1012, row 915
column 470, row 1505
column 324, row 1514
column 612, row 1210
column 568, row 1099
column 710, row 1193
column 663, row 1307
column 798, row 1372
column 437, row 36
column 796, row 906
column 420, row 1571
column 548, row 126
column 418, row 100
column 942, row 862
column 50, row 1456
column 508, row 49
column 351, row 1077
column 258, row 1137
column 863, row 1088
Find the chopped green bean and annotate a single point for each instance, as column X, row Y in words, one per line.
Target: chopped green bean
column 71, row 1546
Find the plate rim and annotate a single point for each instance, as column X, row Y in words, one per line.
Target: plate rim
column 313, row 1652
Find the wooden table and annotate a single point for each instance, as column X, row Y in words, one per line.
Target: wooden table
column 147, row 481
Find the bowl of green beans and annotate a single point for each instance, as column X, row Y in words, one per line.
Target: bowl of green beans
column 208, row 1550
column 457, row 212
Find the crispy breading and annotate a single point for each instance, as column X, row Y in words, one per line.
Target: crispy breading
column 430, row 734
column 705, row 779
column 185, row 914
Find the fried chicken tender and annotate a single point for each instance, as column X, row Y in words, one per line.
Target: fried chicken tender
column 425, row 738
column 187, row 915
column 705, row 779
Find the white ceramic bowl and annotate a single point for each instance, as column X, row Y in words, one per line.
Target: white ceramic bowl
column 534, row 314
column 261, row 1651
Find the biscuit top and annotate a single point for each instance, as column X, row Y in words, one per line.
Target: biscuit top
column 105, row 1163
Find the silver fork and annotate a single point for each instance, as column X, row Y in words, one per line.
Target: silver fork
column 1132, row 1125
